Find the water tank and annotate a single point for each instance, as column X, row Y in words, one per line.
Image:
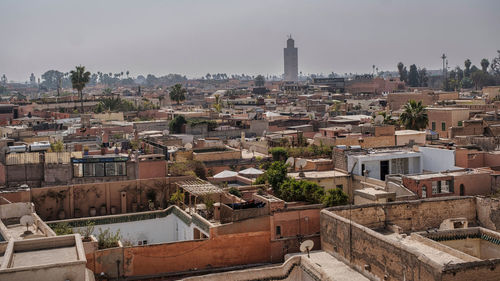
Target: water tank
column 17, row 148
column 40, row 146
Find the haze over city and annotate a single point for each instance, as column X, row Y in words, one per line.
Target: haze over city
column 196, row 37
column 209, row 140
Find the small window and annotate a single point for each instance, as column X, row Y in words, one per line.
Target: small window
column 460, row 123
column 443, row 126
column 424, row 191
column 340, row 186
column 278, row 230
column 144, row 242
column 433, row 126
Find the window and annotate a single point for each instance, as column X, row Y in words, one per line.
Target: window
column 340, row 186
column 99, row 169
column 443, row 186
column 278, row 230
column 443, row 126
column 362, row 169
column 433, row 126
column 460, row 123
column 424, row 191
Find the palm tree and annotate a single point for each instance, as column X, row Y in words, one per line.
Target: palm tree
column 414, row 116
column 177, row 93
column 79, row 78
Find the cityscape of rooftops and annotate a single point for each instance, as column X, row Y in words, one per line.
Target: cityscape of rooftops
column 250, row 140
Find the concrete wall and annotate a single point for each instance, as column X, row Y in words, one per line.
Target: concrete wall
column 437, row 159
column 50, row 200
column 377, row 256
column 159, row 230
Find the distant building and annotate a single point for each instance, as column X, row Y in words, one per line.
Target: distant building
column 291, row 61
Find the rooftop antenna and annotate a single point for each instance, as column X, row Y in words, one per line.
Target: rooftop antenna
column 306, row 246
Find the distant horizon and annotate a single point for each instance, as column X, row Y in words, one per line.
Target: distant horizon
column 193, row 38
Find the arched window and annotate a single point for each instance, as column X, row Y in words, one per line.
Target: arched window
column 424, row 191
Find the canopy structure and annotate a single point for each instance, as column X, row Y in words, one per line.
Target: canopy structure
column 251, row 172
column 225, row 174
column 198, row 187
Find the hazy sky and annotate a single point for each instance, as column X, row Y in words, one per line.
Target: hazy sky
column 193, row 37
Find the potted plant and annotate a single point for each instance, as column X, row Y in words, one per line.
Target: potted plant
column 61, row 214
column 107, row 239
column 92, row 211
column 87, row 231
column 103, row 210
column 77, row 213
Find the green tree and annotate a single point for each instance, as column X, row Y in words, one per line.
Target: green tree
column 57, row 146
column 422, row 77
column 387, row 118
column 234, row 191
column 259, row 81
column 413, row 76
column 403, row 73
column 467, row 64
column 466, row 83
column 495, row 64
column 335, row 197
column 175, row 126
column 414, row 116
column 177, row 197
column 276, row 175
column 217, row 104
column 79, row 78
column 484, row 65
column 479, row 78
column 177, row 93
column 279, row 153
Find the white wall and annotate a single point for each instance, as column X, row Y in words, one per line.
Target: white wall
column 160, row 230
column 438, row 159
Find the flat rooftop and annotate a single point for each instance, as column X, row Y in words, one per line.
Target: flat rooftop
column 44, row 256
column 319, row 174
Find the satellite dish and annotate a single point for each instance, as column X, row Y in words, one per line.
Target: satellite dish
column 188, row 146
column 301, row 163
column 27, row 220
column 306, row 246
column 379, row 120
column 264, row 133
column 318, row 135
column 252, row 149
column 290, row 161
column 349, row 127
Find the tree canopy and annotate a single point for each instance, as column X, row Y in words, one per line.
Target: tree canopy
column 177, row 93
column 79, row 78
column 414, row 116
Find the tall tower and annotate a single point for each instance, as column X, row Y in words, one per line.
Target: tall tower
column 291, row 61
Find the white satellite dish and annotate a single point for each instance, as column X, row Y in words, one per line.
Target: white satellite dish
column 264, row 133
column 188, row 146
column 306, row 247
column 379, row 120
column 301, row 163
column 290, row 161
column 27, row 220
column 252, row 149
column 349, row 127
